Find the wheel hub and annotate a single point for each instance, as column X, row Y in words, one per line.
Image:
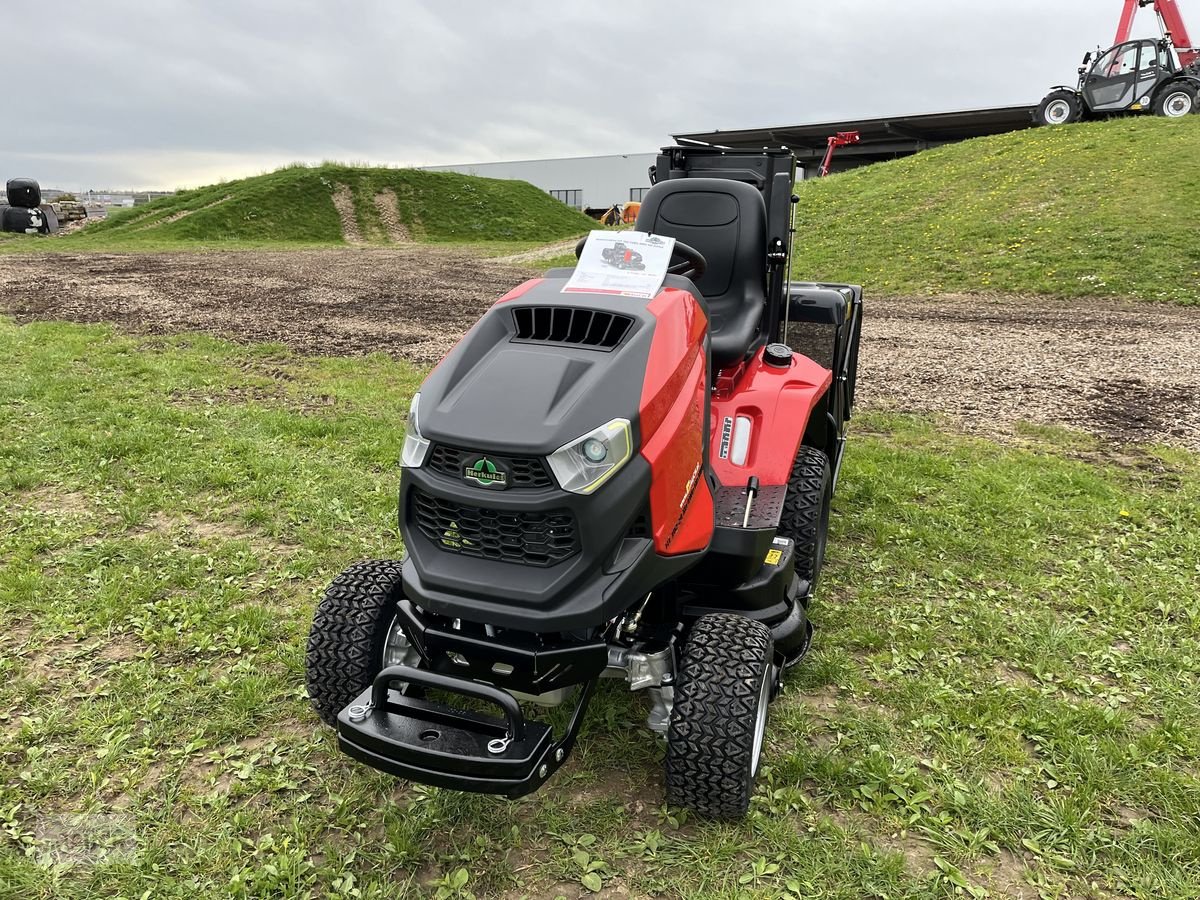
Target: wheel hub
column 1058, row 112
column 397, row 648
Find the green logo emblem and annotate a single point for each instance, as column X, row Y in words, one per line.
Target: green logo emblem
column 484, row 472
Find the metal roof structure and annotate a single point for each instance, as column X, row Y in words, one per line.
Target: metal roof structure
column 883, row 138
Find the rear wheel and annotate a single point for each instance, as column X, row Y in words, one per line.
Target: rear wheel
column 1059, row 108
column 719, row 716
column 1176, row 101
column 354, row 635
column 806, row 511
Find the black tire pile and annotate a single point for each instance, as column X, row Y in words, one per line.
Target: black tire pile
column 24, row 214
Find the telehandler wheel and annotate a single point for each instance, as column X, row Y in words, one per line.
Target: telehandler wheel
column 354, row 635
column 1175, row 101
column 1059, row 108
column 806, row 511
column 715, row 736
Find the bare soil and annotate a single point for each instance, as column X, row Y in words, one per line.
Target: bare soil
column 1124, row 372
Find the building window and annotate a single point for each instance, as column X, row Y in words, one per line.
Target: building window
column 636, row 194
column 571, row 198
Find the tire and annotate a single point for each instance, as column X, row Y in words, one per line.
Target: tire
column 1175, row 101
column 1059, row 108
column 719, row 716
column 805, row 516
column 349, row 633
column 23, row 192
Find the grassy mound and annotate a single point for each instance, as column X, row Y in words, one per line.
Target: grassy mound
column 1102, row 209
column 295, row 206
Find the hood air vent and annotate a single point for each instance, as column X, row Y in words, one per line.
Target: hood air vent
column 568, row 325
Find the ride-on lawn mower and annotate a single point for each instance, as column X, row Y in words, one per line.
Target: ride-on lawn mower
column 594, row 486
column 621, row 257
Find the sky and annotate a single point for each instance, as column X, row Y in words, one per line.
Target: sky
column 179, row 93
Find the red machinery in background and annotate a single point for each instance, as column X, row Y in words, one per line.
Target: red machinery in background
column 841, row 139
column 1171, row 22
column 1145, row 75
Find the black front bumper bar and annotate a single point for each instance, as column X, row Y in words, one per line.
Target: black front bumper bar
column 409, row 736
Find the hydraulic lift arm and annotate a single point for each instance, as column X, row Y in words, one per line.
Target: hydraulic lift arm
column 1172, row 24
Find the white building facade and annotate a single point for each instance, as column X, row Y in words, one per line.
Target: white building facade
column 596, row 182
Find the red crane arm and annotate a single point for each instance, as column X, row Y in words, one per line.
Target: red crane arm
column 1172, row 23
column 1125, row 26
column 1172, row 19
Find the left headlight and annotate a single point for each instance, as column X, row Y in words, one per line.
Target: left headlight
column 591, row 459
column 416, row 448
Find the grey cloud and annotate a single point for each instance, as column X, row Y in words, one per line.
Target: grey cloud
column 172, row 92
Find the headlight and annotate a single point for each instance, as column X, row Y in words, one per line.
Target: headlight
column 591, row 459
column 415, row 446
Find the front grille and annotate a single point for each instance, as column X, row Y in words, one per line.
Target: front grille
column 568, row 325
column 528, row 538
column 523, row 471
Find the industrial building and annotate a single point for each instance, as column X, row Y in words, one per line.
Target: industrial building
column 599, row 182
column 595, row 182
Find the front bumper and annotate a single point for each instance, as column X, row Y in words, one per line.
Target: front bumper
column 432, row 743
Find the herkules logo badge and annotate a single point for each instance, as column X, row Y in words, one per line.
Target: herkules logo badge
column 485, row 473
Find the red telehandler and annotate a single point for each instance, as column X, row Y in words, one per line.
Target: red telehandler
column 1145, row 75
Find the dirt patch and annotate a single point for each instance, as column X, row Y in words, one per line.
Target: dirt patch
column 53, row 501
column 197, row 529
column 1124, row 372
column 183, row 214
column 409, row 301
column 389, row 215
column 343, row 200
column 537, row 253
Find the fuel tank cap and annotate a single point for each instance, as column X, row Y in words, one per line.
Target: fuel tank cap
column 778, row 355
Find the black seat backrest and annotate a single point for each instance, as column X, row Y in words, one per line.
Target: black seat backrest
column 727, row 222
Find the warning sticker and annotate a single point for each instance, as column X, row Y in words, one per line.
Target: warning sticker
column 773, row 557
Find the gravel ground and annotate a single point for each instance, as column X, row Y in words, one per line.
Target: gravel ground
column 1124, row 372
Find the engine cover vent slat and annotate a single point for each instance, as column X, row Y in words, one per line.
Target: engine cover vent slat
column 593, row 328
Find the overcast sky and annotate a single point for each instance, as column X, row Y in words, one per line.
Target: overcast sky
column 172, row 93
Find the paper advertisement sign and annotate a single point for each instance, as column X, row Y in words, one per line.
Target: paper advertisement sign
column 629, row 263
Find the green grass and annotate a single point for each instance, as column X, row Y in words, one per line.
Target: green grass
column 293, row 207
column 1101, row 209
column 1002, row 696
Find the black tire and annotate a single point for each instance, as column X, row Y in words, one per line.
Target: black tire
column 23, row 192
column 349, row 629
column 714, row 740
column 1175, row 101
column 1059, row 108
column 805, row 516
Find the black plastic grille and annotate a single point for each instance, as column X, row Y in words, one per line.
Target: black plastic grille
column 528, row 538
column 568, row 325
column 523, row 471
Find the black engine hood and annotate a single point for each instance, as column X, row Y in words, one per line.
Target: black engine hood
column 500, row 392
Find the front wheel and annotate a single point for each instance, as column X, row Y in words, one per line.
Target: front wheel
column 1059, row 108
column 719, row 716
column 354, row 635
column 1176, row 101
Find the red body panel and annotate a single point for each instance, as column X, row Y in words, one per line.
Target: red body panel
column 778, row 403
column 671, row 413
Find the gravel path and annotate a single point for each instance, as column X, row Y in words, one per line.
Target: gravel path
column 1122, row 371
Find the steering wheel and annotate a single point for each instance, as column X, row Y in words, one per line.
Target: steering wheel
column 692, row 265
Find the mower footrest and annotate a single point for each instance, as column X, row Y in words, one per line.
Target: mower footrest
column 765, row 510
column 432, row 743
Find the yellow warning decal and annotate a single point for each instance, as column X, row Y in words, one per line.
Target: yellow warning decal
column 773, row 557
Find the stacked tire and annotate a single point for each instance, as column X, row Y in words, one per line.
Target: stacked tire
column 24, row 215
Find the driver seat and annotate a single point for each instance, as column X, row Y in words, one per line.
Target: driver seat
column 727, row 222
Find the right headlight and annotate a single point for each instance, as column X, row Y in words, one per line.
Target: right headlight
column 416, row 448
column 591, row 459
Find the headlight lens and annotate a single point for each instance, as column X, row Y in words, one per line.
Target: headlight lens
column 415, row 447
column 591, row 459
